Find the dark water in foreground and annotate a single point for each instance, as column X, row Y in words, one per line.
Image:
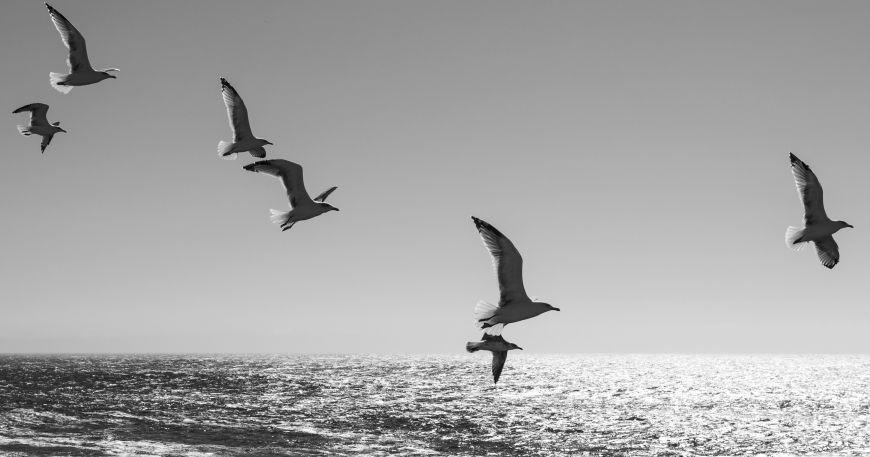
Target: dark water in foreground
column 434, row 405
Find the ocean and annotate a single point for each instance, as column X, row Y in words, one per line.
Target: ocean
column 359, row 405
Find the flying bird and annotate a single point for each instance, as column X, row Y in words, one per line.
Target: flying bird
column 39, row 124
column 80, row 71
column 499, row 348
column 817, row 227
column 302, row 207
column 243, row 139
column 514, row 305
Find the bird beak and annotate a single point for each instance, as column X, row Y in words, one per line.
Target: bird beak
column 335, row 208
column 850, row 226
column 556, row 309
column 62, row 130
column 519, row 348
column 113, row 76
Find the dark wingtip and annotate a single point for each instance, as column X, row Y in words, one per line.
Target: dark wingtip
column 794, row 160
column 483, row 225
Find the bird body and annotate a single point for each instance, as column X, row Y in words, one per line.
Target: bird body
column 301, row 204
column 511, row 311
column 499, row 348
column 243, row 139
column 81, row 73
column 39, row 123
column 818, row 228
column 514, row 304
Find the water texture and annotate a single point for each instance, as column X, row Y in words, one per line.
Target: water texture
column 615, row 405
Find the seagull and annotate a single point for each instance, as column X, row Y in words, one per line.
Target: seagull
column 243, row 139
column 39, row 124
column 514, row 305
column 302, row 207
column 80, row 71
column 817, row 227
column 499, row 348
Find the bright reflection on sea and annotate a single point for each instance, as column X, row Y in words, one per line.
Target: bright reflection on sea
column 634, row 405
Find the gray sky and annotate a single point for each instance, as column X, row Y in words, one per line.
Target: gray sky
column 635, row 152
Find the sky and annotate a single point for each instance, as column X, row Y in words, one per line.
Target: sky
column 635, row 152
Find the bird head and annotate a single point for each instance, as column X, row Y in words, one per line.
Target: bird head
column 844, row 224
column 106, row 74
column 514, row 346
column 548, row 307
column 265, row 142
column 541, row 307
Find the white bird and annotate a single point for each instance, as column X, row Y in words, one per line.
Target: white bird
column 514, row 305
column 39, row 124
column 817, row 227
column 302, row 207
column 243, row 139
column 80, row 71
column 499, row 348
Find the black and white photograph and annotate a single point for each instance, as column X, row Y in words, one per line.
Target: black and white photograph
column 352, row 228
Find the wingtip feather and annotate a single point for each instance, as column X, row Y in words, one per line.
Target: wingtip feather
column 253, row 166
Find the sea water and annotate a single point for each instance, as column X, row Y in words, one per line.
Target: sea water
column 355, row 405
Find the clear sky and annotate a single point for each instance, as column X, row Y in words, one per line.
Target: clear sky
column 635, row 152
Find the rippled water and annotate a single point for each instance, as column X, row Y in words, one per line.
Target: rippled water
column 641, row 405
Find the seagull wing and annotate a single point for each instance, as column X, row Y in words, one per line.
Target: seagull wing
column 809, row 190
column 74, row 41
column 495, row 338
column 289, row 173
column 507, row 261
column 45, row 140
column 37, row 113
column 322, row 197
column 498, row 360
column 259, row 152
column 829, row 253
column 236, row 111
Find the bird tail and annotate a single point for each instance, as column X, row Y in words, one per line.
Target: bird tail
column 56, row 79
column 483, row 314
column 473, row 346
column 793, row 237
column 280, row 217
column 225, row 150
column 24, row 130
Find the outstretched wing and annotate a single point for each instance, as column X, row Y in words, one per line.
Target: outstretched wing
column 289, row 173
column 37, row 114
column 507, row 261
column 236, row 111
column 322, row 197
column 498, row 360
column 74, row 41
column 809, row 190
column 829, row 253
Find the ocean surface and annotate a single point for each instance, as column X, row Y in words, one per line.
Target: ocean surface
column 626, row 405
